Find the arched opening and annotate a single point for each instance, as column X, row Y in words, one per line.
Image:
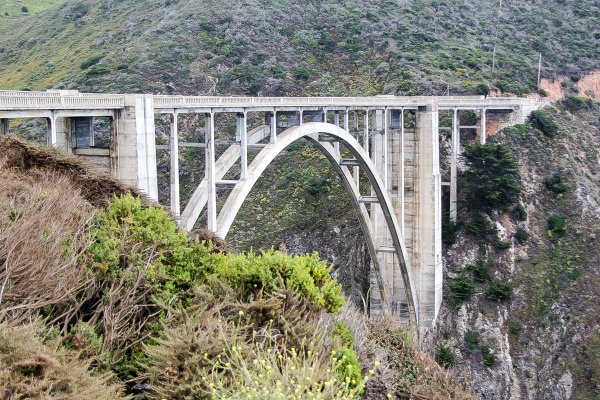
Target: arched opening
column 313, row 131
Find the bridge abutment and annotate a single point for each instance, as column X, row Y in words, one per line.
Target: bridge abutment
column 135, row 148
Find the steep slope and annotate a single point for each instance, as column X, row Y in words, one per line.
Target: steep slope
column 541, row 342
column 284, row 47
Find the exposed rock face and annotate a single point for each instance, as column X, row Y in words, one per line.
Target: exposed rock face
column 544, row 339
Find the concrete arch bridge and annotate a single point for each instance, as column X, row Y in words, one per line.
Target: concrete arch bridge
column 392, row 141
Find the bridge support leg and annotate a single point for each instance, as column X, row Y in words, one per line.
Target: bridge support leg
column 135, row 145
column 4, row 127
column 427, row 257
column 366, row 133
column 211, row 173
column 336, row 122
column 243, row 138
column 483, row 126
column 455, row 145
column 174, row 148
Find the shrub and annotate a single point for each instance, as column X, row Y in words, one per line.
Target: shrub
column 489, row 359
column 522, row 236
column 90, row 61
column 544, row 123
column 480, row 270
column 449, row 230
column 514, row 328
column 301, row 74
column 445, row 356
column 344, row 333
column 521, row 213
column 554, row 183
column 98, row 69
column 478, row 225
column 577, row 103
column 499, row 290
column 24, row 9
column 472, row 340
column 30, row 369
column 491, row 179
column 557, row 224
column 461, row 288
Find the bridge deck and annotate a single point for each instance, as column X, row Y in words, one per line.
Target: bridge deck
column 72, row 100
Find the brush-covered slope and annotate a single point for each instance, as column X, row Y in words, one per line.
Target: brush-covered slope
column 101, row 300
column 285, row 47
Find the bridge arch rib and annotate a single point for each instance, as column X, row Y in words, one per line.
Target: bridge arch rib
column 311, row 131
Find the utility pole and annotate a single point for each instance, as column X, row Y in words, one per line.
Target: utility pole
column 539, row 71
column 496, row 38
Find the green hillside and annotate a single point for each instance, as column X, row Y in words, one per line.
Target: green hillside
column 16, row 10
column 315, row 47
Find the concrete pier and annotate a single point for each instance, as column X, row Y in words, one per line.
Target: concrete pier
column 393, row 141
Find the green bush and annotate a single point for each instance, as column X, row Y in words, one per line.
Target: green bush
column 514, row 328
column 489, row 359
column 557, row 224
column 480, row 270
column 499, row 290
column 522, row 236
column 491, row 179
column 90, row 61
column 544, row 123
column 472, row 340
column 449, row 230
column 554, row 183
column 444, row 356
column 577, row 103
column 24, row 10
column 98, row 69
column 301, row 74
column 344, row 333
column 521, row 213
column 347, row 366
column 461, row 288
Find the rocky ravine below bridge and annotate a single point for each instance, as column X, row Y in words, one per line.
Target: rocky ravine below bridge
column 544, row 342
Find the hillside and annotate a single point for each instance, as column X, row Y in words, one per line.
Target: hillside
column 282, row 47
column 536, row 337
column 108, row 299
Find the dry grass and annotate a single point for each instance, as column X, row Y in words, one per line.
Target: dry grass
column 42, row 234
column 97, row 188
column 30, row 369
column 402, row 369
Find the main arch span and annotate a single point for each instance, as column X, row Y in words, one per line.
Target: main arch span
column 400, row 215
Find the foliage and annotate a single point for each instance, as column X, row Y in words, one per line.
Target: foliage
column 472, row 340
column 449, row 230
column 91, row 61
column 208, row 351
column 480, row 270
column 514, row 328
column 445, row 356
column 344, row 333
column 542, row 121
column 557, row 225
column 461, row 288
column 491, row 179
column 522, row 236
column 554, row 183
column 499, row 290
column 307, row 275
column 521, row 213
column 32, row 369
column 489, row 359
column 576, row 103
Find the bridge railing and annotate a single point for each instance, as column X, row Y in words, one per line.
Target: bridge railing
column 54, row 101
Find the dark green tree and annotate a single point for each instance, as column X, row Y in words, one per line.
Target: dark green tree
column 491, row 179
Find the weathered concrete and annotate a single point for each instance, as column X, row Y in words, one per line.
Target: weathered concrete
column 400, row 215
